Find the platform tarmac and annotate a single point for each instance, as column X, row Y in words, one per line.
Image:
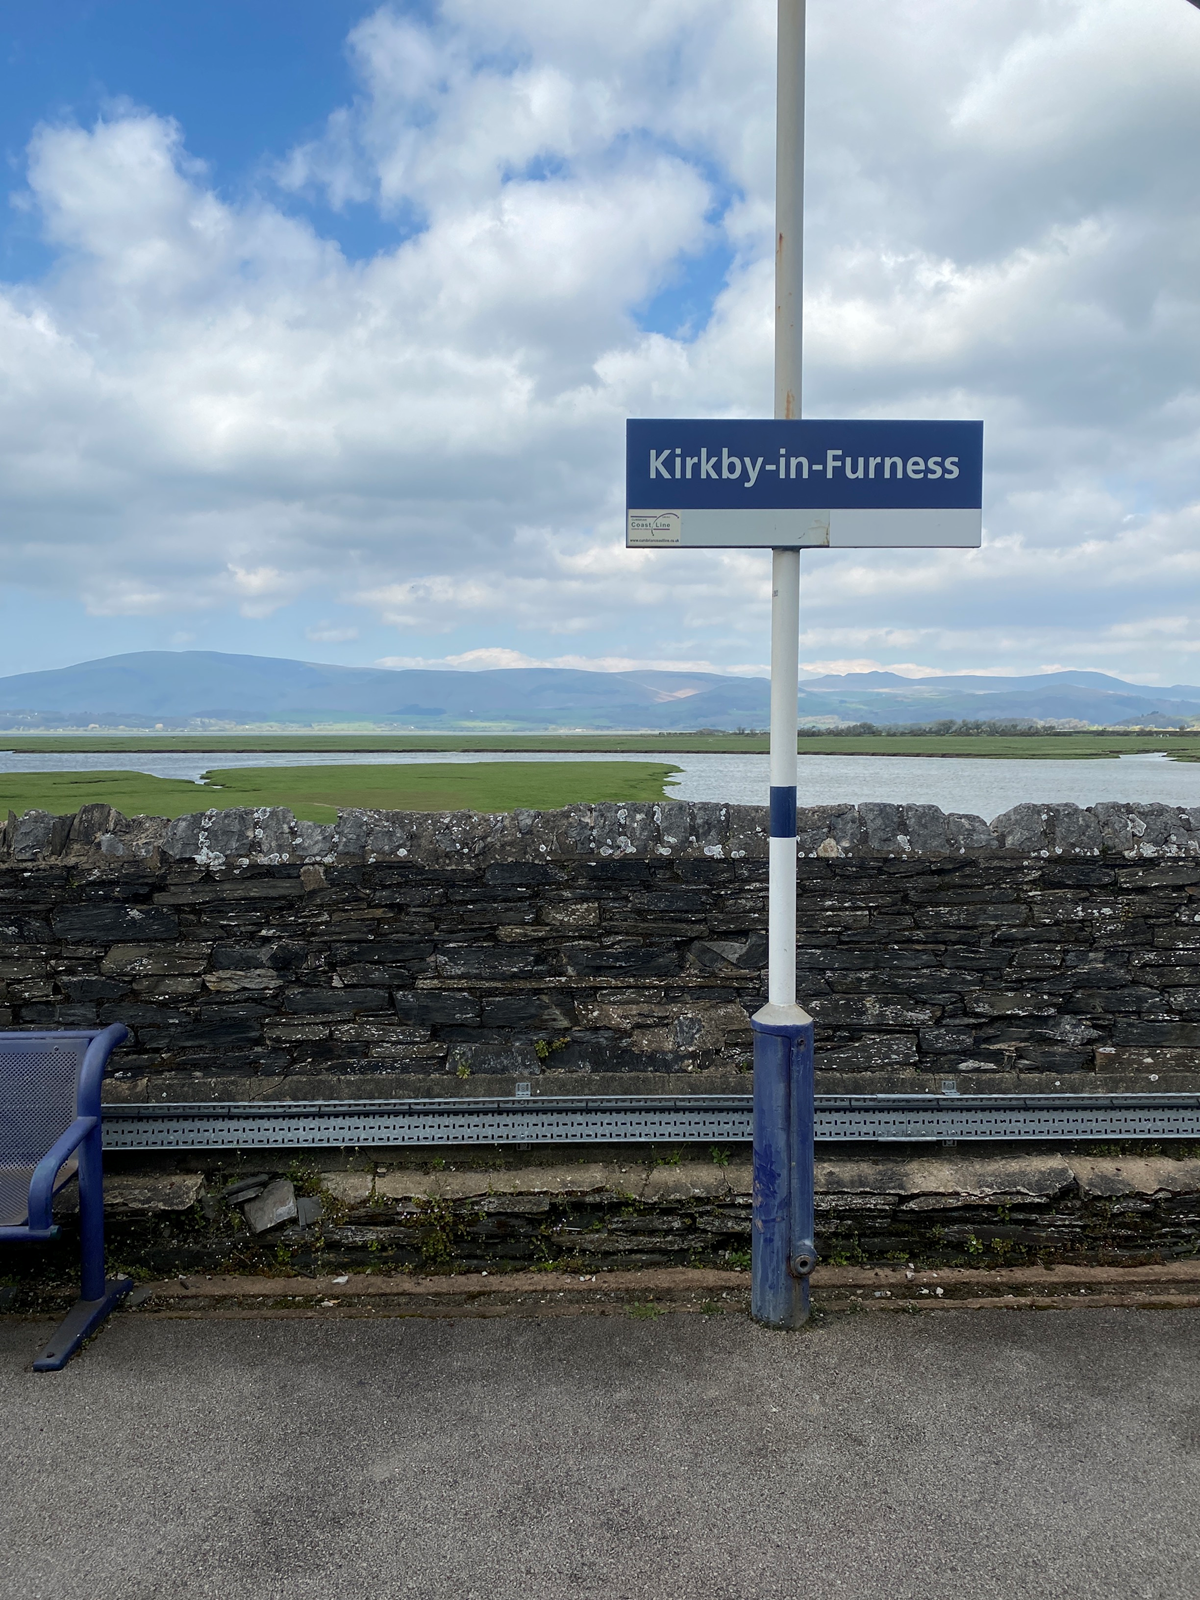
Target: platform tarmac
column 945, row 1453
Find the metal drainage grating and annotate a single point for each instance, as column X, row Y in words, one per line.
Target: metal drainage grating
column 654, row 1119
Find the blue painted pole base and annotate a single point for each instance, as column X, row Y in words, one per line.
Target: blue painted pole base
column 84, row 1317
column 782, row 1252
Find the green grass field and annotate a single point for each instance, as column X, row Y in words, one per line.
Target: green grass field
column 315, row 794
column 1035, row 747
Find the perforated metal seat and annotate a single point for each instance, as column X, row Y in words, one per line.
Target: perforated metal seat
column 49, row 1130
column 39, row 1086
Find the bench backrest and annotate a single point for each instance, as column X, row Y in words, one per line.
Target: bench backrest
column 39, row 1091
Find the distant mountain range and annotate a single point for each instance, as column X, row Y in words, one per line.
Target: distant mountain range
column 205, row 689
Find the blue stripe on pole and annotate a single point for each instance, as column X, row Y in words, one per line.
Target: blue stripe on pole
column 783, row 812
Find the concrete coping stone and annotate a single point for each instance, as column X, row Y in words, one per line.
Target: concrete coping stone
column 917, row 1182
column 241, row 837
column 139, row 1194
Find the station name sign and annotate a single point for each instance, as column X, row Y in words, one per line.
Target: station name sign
column 803, row 484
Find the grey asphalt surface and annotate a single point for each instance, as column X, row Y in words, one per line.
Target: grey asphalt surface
column 949, row 1454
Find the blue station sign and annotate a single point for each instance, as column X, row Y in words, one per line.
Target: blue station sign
column 803, row 484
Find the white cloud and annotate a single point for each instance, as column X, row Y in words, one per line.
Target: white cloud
column 208, row 406
column 903, row 669
column 491, row 658
column 324, row 633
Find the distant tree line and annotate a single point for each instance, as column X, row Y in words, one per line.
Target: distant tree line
column 945, row 725
column 951, row 725
column 958, row 726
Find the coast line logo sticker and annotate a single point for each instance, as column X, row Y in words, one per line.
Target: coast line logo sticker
column 655, row 527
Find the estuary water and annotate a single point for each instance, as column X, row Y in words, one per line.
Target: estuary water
column 982, row 786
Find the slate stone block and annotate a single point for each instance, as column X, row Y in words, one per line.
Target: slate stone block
column 90, row 824
column 391, row 835
column 926, row 829
column 487, row 961
column 182, row 840
column 370, row 975
column 92, row 988
column 135, row 838
column 1023, row 828
column 1013, row 1003
column 437, row 1008
column 219, row 1036
column 710, row 826
column 1162, row 875
column 240, row 957
column 321, row 1002
column 874, row 1052
column 227, row 835
column 156, row 960
column 38, row 833
column 673, row 821
column 1078, row 876
column 869, row 1011
column 538, row 1011
column 452, row 837
column 516, row 1059
column 812, row 829
column 637, row 961
column 1035, row 1056
column 946, row 1041
column 967, row 832
column 535, row 835
column 1130, row 999
column 103, row 924
column 1171, row 1034
column 882, row 826
column 640, row 826
column 1165, row 828
column 1116, row 826
column 844, row 828
column 350, row 834
column 314, row 841
column 748, row 833
column 573, row 834
column 58, row 1015
column 1075, row 830
column 272, row 1208
column 520, row 874
column 271, row 834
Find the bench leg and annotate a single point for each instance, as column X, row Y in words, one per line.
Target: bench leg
column 99, row 1294
column 84, row 1317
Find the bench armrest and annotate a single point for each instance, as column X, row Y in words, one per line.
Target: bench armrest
column 41, row 1185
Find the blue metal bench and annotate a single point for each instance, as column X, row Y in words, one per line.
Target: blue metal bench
column 49, row 1130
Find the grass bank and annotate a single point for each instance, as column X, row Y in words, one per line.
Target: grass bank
column 316, row 794
column 1023, row 747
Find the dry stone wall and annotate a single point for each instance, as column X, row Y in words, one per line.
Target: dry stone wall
column 610, row 948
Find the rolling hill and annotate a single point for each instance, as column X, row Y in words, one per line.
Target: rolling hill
column 202, row 689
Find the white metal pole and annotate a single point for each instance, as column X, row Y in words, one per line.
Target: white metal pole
column 782, row 1227
column 785, row 564
column 781, row 894
column 789, row 207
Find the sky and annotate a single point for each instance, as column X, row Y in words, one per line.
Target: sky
column 320, row 321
